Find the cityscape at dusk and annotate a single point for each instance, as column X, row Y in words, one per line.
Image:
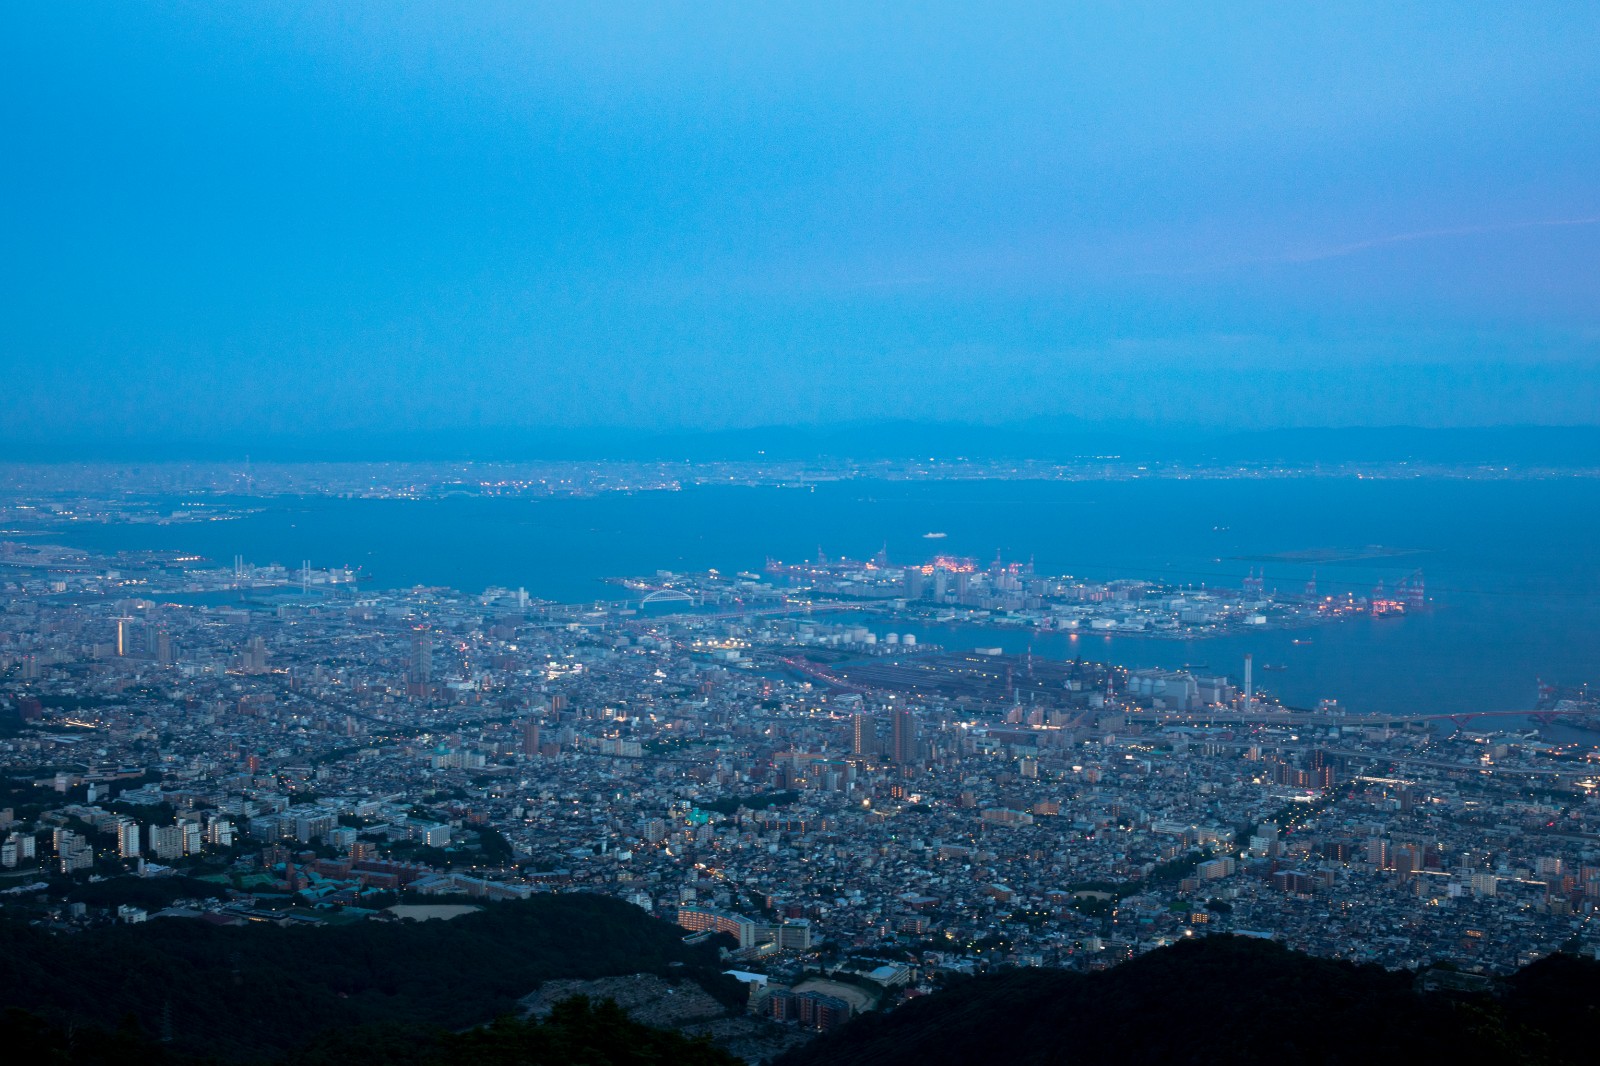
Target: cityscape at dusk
column 800, row 534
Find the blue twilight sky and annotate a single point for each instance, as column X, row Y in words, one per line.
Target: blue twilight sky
column 225, row 220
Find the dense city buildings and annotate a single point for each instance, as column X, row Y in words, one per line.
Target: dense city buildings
column 519, row 526
column 762, row 757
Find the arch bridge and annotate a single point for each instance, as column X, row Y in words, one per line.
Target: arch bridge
column 665, row 595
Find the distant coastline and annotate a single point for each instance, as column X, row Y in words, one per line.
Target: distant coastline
column 1515, row 603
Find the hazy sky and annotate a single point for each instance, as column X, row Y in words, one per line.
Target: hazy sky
column 234, row 219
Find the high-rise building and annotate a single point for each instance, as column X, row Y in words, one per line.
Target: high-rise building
column 863, row 734
column 137, row 639
column 128, row 839
column 219, row 833
column 253, row 660
column 421, row 673
column 903, row 736
column 530, row 737
column 916, row 583
column 166, row 841
column 1379, row 855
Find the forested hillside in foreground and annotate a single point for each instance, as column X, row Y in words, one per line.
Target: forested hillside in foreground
column 577, row 1033
column 259, row 991
column 1229, row 999
column 179, row 993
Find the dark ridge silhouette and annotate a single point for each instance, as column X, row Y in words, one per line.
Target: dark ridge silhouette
column 1228, row 999
column 257, row 992
column 577, row 1033
column 176, row 993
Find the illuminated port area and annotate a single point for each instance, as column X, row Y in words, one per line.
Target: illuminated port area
column 772, row 756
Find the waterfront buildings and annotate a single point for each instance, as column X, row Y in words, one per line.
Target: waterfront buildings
column 759, row 771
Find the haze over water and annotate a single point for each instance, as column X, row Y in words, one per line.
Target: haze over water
column 1512, row 580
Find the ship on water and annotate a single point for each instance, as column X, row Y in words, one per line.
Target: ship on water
column 934, row 536
column 1568, row 705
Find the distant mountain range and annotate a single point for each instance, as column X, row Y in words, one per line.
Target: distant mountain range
column 1053, row 440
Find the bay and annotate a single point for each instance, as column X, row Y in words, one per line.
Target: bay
column 1511, row 566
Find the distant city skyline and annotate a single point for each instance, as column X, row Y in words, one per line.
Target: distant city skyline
column 230, row 224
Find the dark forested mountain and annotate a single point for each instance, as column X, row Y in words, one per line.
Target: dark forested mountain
column 577, row 1033
column 242, row 994
column 184, row 994
column 1228, row 999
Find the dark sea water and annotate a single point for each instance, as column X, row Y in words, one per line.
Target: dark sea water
column 1512, row 567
